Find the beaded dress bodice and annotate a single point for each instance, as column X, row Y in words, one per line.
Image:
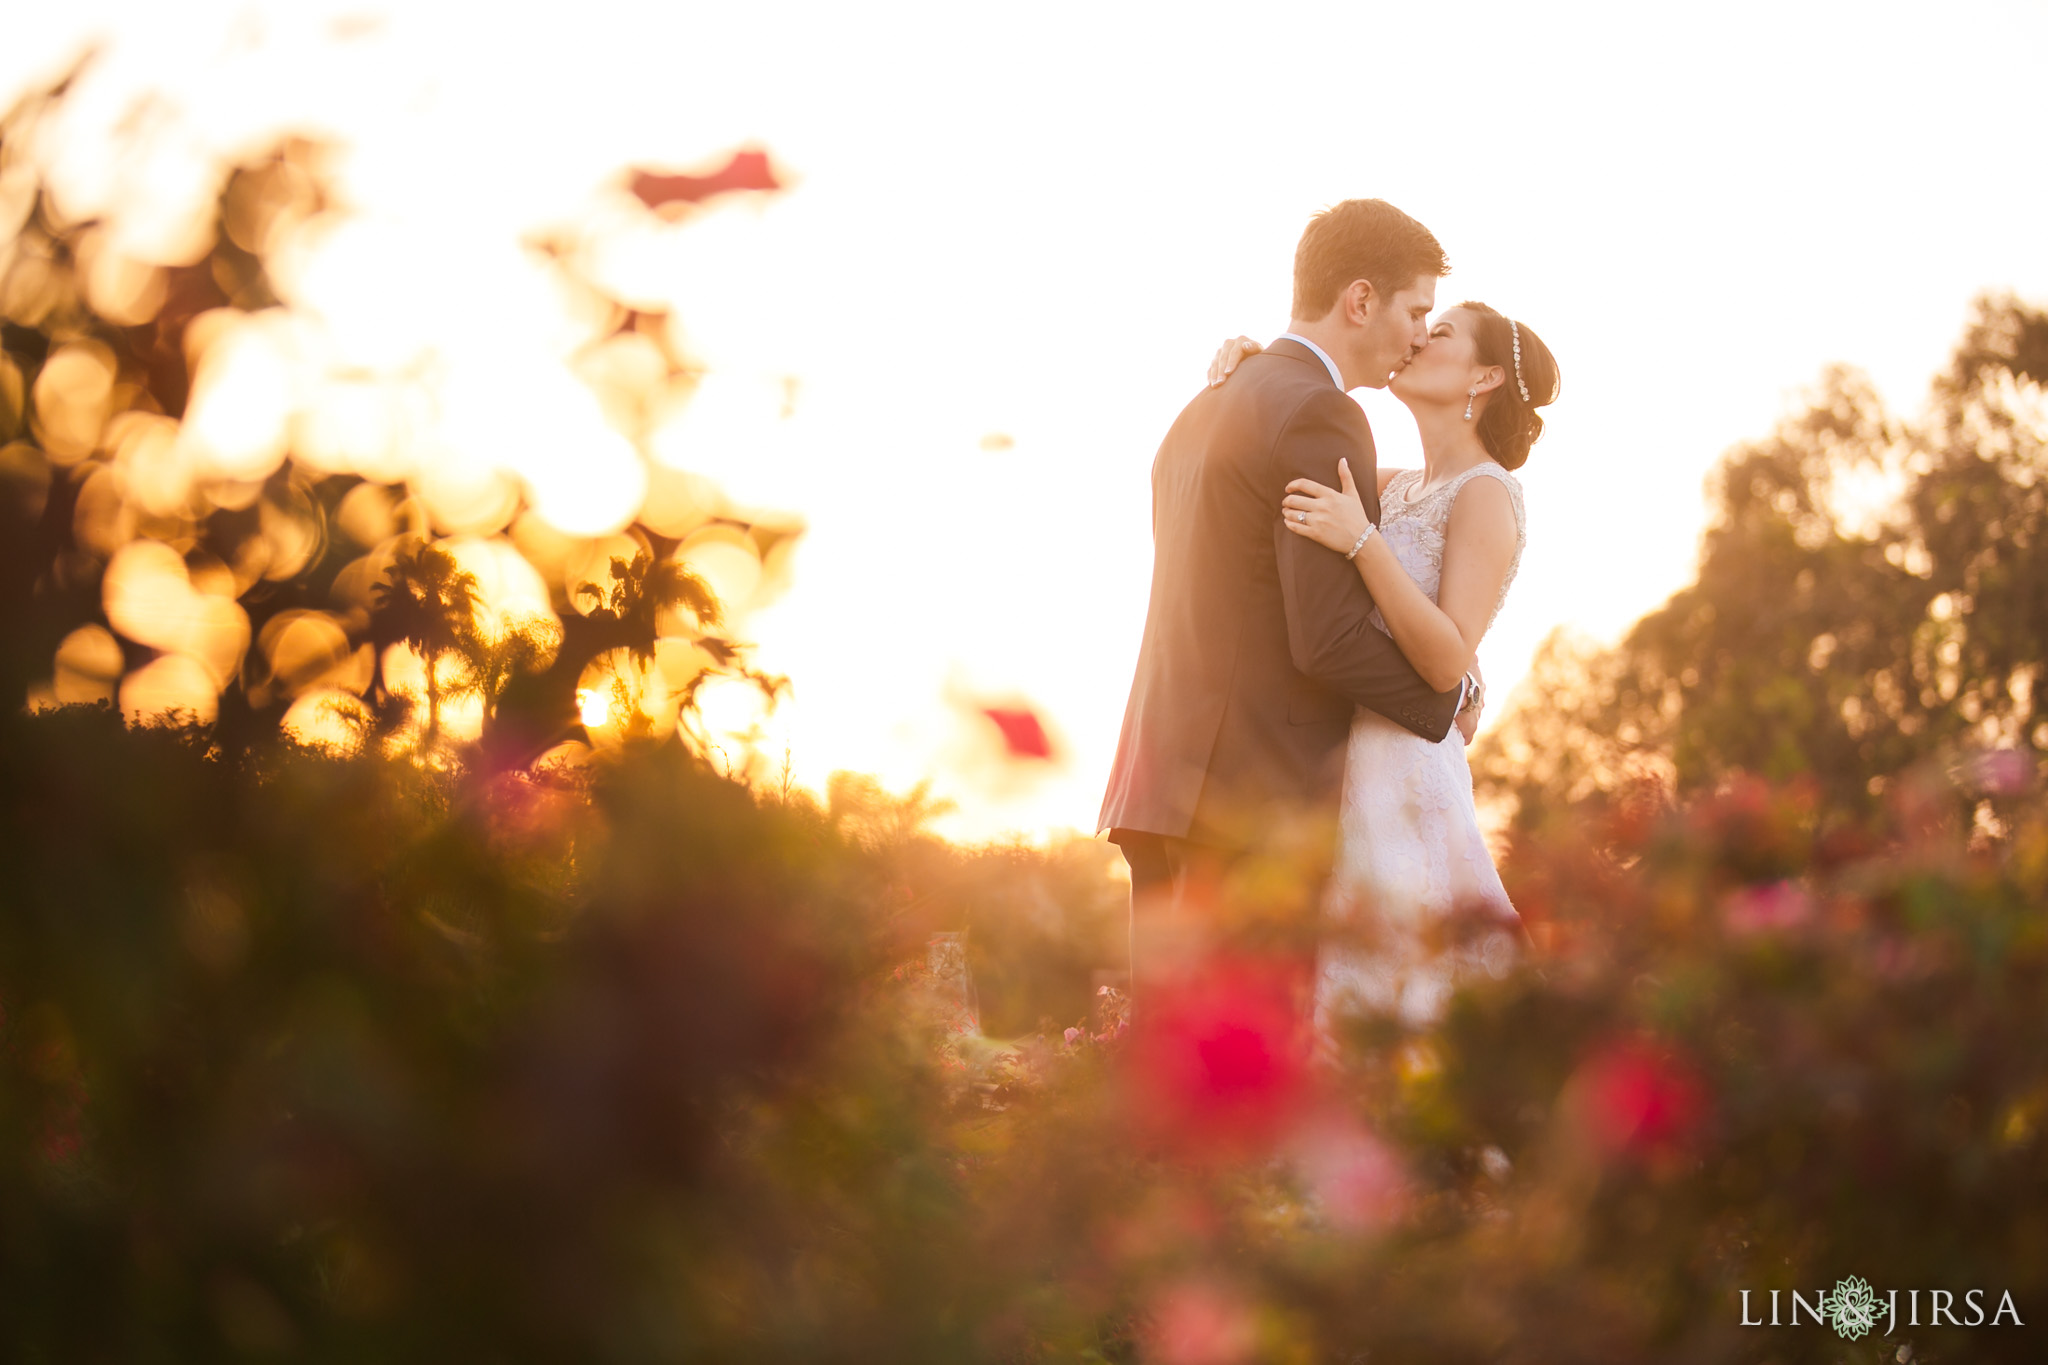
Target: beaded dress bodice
column 1415, row 531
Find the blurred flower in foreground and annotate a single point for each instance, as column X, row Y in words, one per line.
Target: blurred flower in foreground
column 1998, row 772
column 1761, row 831
column 747, row 170
column 1218, row 1057
column 1636, row 1100
column 1761, row 909
column 995, row 742
column 1023, row 734
column 1357, row 1180
column 1200, row 1322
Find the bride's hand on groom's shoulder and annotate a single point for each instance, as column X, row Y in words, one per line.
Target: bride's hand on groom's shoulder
column 1331, row 517
column 1227, row 357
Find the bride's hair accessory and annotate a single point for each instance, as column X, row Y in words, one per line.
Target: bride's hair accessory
column 1508, row 429
column 1515, row 332
column 1359, row 544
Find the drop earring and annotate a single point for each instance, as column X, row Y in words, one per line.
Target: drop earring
column 1470, row 394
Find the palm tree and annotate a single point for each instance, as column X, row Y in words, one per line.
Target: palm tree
column 494, row 657
column 629, row 615
column 428, row 601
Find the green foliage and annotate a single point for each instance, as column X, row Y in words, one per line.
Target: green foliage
column 1045, row 927
column 332, row 1056
column 348, row 1058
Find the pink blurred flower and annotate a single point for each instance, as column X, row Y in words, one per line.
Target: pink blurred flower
column 1760, row 909
column 1073, row 1036
column 1998, row 772
column 1219, row 1058
column 1358, row 1181
column 1200, row 1322
column 1638, row 1100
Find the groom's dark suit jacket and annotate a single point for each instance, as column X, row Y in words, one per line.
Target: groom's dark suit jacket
column 1258, row 642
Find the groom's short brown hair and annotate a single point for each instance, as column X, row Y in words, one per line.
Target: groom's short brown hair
column 1361, row 239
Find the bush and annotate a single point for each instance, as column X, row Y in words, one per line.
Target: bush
column 340, row 1058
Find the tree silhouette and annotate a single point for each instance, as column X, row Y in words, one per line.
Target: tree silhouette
column 1824, row 641
column 525, row 673
column 642, row 591
column 494, row 657
column 427, row 601
column 536, row 707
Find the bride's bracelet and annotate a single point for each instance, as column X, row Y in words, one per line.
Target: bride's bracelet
column 1359, row 544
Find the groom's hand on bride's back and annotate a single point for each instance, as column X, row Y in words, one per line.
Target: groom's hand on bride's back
column 1227, row 357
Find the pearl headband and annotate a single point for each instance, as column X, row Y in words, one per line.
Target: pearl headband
column 1516, row 333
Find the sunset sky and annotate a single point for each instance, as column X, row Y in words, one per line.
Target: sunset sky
column 1011, row 243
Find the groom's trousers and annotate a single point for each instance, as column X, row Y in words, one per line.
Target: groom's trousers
column 1176, row 885
column 1193, row 903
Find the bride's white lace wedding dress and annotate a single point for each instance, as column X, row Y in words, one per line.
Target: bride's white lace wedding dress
column 1410, row 852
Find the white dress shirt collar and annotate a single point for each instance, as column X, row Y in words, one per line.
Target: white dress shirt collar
column 1336, row 374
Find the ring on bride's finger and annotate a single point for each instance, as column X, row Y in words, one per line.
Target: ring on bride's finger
column 1301, row 517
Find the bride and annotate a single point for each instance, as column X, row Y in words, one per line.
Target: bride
column 1415, row 902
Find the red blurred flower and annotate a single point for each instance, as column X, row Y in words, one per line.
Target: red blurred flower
column 60, row 1140
column 1219, row 1058
column 1023, row 735
column 63, row 1128
column 1638, row 1100
column 747, row 170
column 1757, row 828
column 1199, row 1322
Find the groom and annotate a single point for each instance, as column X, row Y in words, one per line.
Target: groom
column 1258, row 643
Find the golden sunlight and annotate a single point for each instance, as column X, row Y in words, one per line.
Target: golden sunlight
column 899, row 365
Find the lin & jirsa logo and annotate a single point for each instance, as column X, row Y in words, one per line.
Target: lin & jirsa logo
column 1853, row 1308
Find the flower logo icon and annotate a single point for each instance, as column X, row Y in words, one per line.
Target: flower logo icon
column 1852, row 1308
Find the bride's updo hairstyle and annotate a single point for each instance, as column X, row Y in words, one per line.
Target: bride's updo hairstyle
column 1511, row 424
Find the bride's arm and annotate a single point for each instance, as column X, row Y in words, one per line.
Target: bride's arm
column 1440, row 638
